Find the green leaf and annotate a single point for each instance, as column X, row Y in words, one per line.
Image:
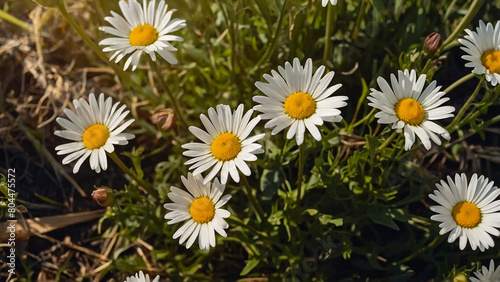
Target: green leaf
column 251, row 264
column 45, row 199
column 269, row 183
column 383, row 215
column 328, row 219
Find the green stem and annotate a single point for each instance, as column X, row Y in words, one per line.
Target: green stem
column 300, row 193
column 458, row 82
column 473, row 9
column 13, row 20
column 365, row 118
column 387, row 141
column 270, row 50
column 328, row 31
column 450, row 128
column 128, row 171
column 173, row 100
column 361, row 14
column 123, row 76
column 420, row 251
column 255, row 204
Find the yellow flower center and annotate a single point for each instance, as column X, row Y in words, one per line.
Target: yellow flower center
column 202, row 210
column 410, row 111
column 143, row 35
column 467, row 215
column 491, row 60
column 226, row 147
column 95, row 136
column 300, row 105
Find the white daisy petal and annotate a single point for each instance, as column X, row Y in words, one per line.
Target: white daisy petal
column 227, row 145
column 202, row 211
column 487, row 274
column 408, row 105
column 297, row 99
column 90, row 128
column 142, row 29
column 140, row 277
column 468, row 209
column 483, row 49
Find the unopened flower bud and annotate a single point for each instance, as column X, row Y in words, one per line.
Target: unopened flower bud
column 103, row 196
column 48, row 3
column 166, row 118
column 432, row 43
column 460, row 278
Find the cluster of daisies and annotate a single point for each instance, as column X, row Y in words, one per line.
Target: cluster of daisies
column 296, row 99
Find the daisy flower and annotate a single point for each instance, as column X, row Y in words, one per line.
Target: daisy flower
column 145, row 29
column 483, row 51
column 487, row 275
column 94, row 130
column 140, row 277
column 325, row 2
column 410, row 108
column 200, row 208
column 468, row 210
column 297, row 99
column 225, row 144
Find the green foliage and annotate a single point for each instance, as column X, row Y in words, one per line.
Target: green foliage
column 364, row 214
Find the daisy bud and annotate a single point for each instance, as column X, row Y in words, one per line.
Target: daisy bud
column 103, row 196
column 432, row 43
column 166, row 117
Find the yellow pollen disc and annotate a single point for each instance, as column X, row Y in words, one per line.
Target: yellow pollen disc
column 467, row 215
column 95, row 136
column 300, row 105
column 143, row 35
column 491, row 60
column 410, row 111
column 202, row 210
column 226, row 147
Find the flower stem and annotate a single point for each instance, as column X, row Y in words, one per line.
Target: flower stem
column 421, row 250
column 123, row 76
column 271, row 48
column 365, row 118
column 473, row 9
column 13, row 20
column 388, row 140
column 165, row 87
column 458, row 82
column 453, row 125
column 300, row 192
column 255, row 204
column 128, row 171
column 328, row 31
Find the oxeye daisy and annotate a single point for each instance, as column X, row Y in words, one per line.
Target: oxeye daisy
column 487, row 275
column 145, row 29
column 468, row 210
column 410, row 108
column 94, row 128
column 483, row 51
column 325, row 2
column 200, row 208
column 225, row 144
column 140, row 277
column 297, row 99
